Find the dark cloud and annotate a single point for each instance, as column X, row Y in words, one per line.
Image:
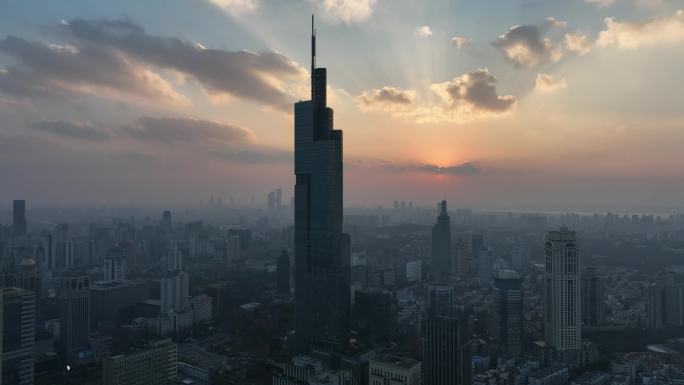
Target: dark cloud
column 186, row 130
column 525, row 46
column 386, row 98
column 72, row 129
column 461, row 169
column 239, row 73
column 256, row 156
column 466, row 168
column 474, row 93
column 63, row 71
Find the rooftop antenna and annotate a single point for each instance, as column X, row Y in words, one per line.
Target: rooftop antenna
column 313, row 45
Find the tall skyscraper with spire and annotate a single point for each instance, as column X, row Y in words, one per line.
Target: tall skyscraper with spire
column 441, row 243
column 322, row 251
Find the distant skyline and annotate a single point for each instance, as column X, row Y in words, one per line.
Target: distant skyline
column 505, row 105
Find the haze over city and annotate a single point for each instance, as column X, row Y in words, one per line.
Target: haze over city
column 502, row 105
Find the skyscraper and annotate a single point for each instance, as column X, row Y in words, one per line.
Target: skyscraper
column 322, row 251
column 173, row 286
column 18, row 323
column 508, row 312
column 74, row 313
column 447, row 351
column 115, row 265
column 593, row 305
column 562, row 326
column 19, row 218
column 441, row 243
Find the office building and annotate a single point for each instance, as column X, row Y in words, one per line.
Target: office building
column 508, row 312
column 19, row 224
column 387, row 369
column 373, row 316
column 233, row 248
column 115, row 265
column 156, row 365
column 439, row 300
column 441, row 243
column 283, row 273
column 447, row 351
column 298, row 371
column 18, row 336
column 167, row 224
column 592, row 298
column 556, row 374
column 414, row 271
column 74, row 298
column 322, row 250
column 562, row 323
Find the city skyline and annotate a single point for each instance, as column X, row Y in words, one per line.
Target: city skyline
column 469, row 99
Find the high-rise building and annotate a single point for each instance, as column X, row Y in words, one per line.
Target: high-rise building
column 439, row 300
column 167, row 224
column 562, row 322
column 17, row 331
column 74, row 297
column 283, row 273
column 322, row 250
column 592, row 292
column 673, row 297
column 233, row 248
column 19, row 218
column 441, row 243
column 373, row 316
column 447, row 351
column 155, row 365
column 508, row 312
column 173, row 287
column 414, row 271
column 484, row 262
column 115, row 265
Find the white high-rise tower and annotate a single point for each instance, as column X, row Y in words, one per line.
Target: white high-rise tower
column 562, row 326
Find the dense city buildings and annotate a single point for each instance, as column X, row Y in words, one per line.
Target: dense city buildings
column 322, row 250
column 390, row 369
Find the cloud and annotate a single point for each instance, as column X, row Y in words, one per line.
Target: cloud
column 552, row 22
column 51, row 71
column 547, row 83
column 466, row 168
column 577, row 42
column 666, row 30
column 72, row 129
column 460, row 42
column 525, row 46
column 600, row 3
column 474, row 94
column 386, row 98
column 237, row 7
column 467, row 97
column 423, row 31
column 265, row 77
column 255, row 156
column 186, row 129
column 345, row 11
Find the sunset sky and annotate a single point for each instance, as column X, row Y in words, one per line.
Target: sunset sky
column 499, row 104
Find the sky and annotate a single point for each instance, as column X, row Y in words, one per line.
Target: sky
column 498, row 104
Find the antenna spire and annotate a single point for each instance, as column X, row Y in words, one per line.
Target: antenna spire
column 313, row 45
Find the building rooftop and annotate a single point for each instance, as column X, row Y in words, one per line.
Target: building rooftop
column 402, row 362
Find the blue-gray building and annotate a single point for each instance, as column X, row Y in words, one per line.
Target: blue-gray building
column 322, row 250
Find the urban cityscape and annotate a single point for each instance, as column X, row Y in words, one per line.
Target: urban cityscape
column 285, row 279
